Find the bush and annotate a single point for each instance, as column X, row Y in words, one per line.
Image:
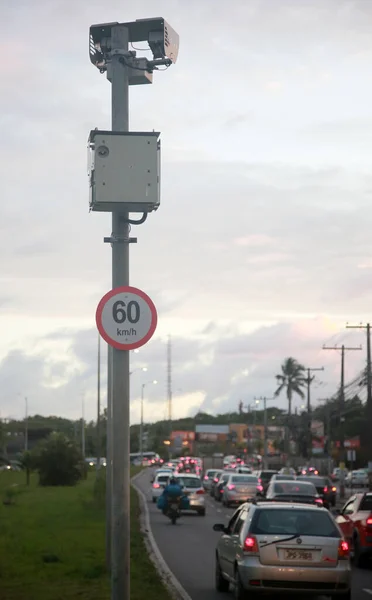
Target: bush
column 58, row 461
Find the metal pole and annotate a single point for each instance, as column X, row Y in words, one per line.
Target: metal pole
column 82, row 427
column 109, row 461
column 265, row 434
column 98, row 466
column 120, row 564
column 26, row 425
column 141, row 424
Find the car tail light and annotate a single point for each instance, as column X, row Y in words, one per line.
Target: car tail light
column 343, row 549
column 334, row 489
column 369, row 521
column 260, row 481
column 318, row 500
column 231, row 487
column 325, row 489
column 156, row 485
column 260, row 488
column 250, row 544
column 215, row 480
column 200, row 492
column 206, row 477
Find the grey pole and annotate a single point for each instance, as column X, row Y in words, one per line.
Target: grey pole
column 120, row 560
column 98, row 466
column 141, row 424
column 82, row 426
column 109, row 461
column 26, row 425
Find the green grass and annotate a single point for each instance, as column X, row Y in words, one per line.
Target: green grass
column 52, row 544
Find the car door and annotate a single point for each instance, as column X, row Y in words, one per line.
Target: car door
column 344, row 519
column 233, row 548
column 225, row 543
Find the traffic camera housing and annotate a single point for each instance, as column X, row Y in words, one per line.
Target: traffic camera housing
column 124, row 171
column 161, row 37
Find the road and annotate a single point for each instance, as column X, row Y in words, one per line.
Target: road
column 189, row 548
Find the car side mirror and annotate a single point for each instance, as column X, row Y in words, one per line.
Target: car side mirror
column 219, row 527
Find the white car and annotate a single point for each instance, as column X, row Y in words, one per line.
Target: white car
column 167, row 470
column 159, row 483
column 357, row 479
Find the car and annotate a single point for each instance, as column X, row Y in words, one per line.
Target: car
column 159, row 483
column 287, row 471
column 193, row 488
column 273, row 547
column 243, row 469
column 208, row 478
column 357, row 478
column 166, row 470
column 264, row 478
column 215, row 481
column 325, row 488
column 355, row 521
column 280, row 477
column 240, row 488
column 293, row 491
column 218, row 488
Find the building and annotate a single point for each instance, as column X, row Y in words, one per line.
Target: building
column 212, row 433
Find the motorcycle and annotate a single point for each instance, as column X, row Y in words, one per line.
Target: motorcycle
column 173, row 510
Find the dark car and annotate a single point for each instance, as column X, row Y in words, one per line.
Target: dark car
column 264, row 478
column 293, row 491
column 325, row 488
column 215, row 479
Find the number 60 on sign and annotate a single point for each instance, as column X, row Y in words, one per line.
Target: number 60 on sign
column 126, row 318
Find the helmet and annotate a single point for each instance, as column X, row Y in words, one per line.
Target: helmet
column 172, row 481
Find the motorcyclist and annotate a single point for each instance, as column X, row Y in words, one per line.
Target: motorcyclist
column 171, row 490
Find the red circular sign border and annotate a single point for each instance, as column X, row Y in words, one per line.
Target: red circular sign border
column 149, row 302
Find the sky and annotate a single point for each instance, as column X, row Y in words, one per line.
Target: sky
column 261, row 246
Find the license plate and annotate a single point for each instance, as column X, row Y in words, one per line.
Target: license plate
column 297, row 554
column 174, row 506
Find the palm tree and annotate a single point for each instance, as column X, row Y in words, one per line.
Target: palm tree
column 291, row 379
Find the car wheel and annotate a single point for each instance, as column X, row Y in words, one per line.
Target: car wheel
column 201, row 512
column 221, row 584
column 344, row 596
column 359, row 558
column 239, row 591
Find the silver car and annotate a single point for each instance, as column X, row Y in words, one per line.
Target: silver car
column 240, row 488
column 282, row 548
column 209, row 475
column 192, row 487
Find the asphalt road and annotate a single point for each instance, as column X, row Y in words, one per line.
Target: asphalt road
column 189, row 548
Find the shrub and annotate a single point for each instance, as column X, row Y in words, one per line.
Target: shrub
column 58, row 461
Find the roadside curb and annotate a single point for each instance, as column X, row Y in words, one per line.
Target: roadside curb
column 174, row 587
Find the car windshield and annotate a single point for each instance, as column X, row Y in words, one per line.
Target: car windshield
column 294, row 521
column 189, row 482
column 298, row 488
column 244, row 479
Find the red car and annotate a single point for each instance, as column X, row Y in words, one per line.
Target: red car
column 355, row 520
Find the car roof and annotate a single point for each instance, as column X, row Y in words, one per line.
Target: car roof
column 288, row 506
column 295, row 481
column 192, row 475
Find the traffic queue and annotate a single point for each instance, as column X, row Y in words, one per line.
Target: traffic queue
column 285, row 535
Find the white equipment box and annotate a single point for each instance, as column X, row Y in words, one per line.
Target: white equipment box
column 124, row 171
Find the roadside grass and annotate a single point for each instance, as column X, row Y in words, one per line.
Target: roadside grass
column 52, row 543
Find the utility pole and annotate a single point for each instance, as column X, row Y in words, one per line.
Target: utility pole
column 26, row 425
column 82, row 426
column 367, row 441
column 98, row 466
column 109, row 461
column 169, row 386
column 309, row 379
column 141, row 423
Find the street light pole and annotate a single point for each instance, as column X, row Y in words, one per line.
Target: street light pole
column 141, row 421
column 264, row 400
column 98, row 466
column 26, row 425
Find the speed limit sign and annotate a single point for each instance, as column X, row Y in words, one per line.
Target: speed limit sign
column 126, row 318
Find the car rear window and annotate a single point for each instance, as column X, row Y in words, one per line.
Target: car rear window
column 295, row 487
column 244, row 479
column 190, row 482
column 317, row 481
column 162, row 478
column 210, row 473
column 366, row 503
column 266, row 475
column 293, row 521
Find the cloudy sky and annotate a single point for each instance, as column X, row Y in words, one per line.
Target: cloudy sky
column 261, row 247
